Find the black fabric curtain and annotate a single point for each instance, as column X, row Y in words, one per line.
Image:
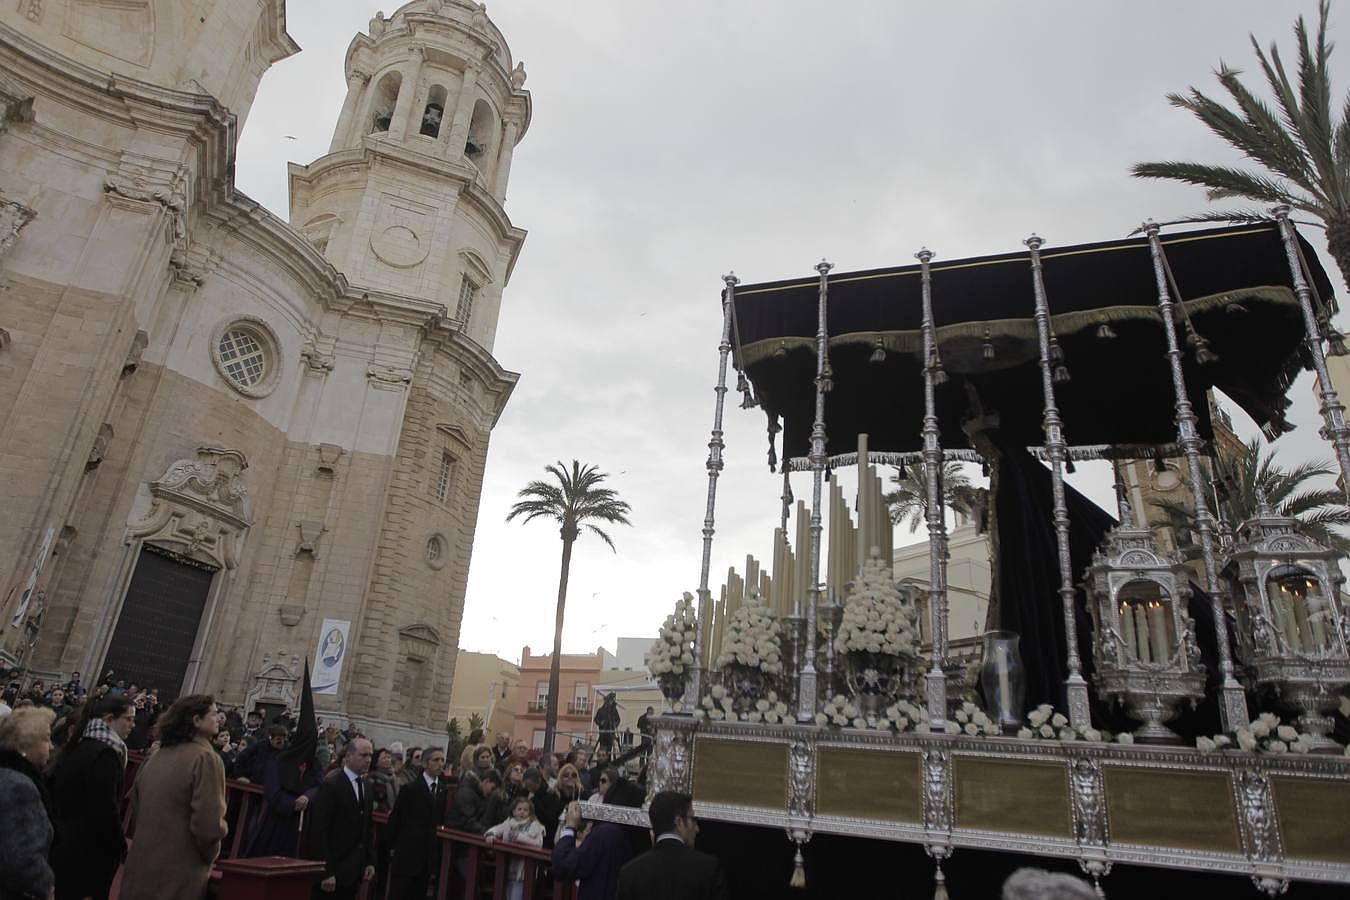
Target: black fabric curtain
column 1029, row 602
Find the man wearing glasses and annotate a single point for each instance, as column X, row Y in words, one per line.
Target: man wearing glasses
column 673, row 869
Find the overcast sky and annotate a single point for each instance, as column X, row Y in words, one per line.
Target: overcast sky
column 672, row 142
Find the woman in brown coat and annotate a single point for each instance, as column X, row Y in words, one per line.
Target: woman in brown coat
column 178, row 807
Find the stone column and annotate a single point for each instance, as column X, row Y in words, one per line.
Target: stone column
column 458, row 132
column 342, row 137
column 408, row 94
column 504, row 160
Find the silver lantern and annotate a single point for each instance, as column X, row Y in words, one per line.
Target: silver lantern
column 1290, row 621
column 1144, row 642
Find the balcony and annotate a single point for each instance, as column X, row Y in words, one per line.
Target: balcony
column 579, row 708
column 537, row 705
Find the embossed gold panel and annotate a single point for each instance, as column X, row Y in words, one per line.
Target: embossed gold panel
column 1312, row 815
column 1187, row 810
column 1012, row 795
column 740, row 773
column 868, row 784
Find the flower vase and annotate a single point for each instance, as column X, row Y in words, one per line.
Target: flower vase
column 673, row 690
column 1003, row 679
column 745, row 684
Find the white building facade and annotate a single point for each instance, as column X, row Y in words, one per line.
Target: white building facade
column 229, row 442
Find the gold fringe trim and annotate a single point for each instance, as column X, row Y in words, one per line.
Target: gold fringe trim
column 1021, row 329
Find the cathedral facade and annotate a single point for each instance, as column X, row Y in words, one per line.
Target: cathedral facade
column 230, row 442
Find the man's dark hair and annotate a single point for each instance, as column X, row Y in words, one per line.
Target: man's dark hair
column 275, row 731
column 427, row 751
column 535, row 774
column 492, row 776
column 666, row 807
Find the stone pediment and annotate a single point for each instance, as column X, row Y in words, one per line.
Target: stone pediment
column 420, row 632
column 197, row 508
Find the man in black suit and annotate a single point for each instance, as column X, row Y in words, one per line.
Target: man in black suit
column 411, row 832
column 339, row 830
column 673, row 869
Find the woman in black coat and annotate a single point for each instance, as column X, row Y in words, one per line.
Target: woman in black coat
column 25, row 825
column 87, row 793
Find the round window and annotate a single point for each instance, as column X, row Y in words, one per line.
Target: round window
column 245, row 354
column 436, row 551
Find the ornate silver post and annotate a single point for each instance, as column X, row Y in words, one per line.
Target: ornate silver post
column 1333, row 411
column 937, row 525
column 694, row 691
column 1056, row 450
column 806, row 685
column 1233, row 707
column 787, row 500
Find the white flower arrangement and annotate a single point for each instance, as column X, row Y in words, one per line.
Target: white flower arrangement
column 877, row 618
column 751, row 638
column 900, row 716
column 1264, row 734
column 1044, row 724
column 718, row 705
column 671, row 655
column 972, row 720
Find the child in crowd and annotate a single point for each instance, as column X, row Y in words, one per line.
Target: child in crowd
column 521, row 828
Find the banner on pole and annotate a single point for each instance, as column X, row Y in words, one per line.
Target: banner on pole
column 30, row 586
column 331, row 652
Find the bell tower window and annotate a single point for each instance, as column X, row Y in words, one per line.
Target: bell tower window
column 433, row 113
column 481, row 126
column 445, row 477
column 386, row 97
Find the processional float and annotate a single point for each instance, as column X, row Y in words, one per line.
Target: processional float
column 801, row 673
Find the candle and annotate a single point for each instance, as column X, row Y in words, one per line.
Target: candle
column 1298, row 602
column 1285, row 614
column 1157, row 633
column 1006, row 712
column 1127, row 629
column 1317, row 615
column 1141, row 631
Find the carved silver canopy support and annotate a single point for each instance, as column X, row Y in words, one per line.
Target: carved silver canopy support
column 806, row 679
column 1056, row 451
column 1290, row 617
column 1333, row 411
column 694, row 690
column 937, row 524
column 1233, row 708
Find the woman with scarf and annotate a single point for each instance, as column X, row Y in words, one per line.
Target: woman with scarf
column 87, row 792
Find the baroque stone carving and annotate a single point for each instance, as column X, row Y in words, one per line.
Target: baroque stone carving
column 518, row 76
column 316, row 361
column 310, row 533
column 198, row 507
column 100, row 448
column 388, row 378
column 14, row 217
column 1089, row 811
column 133, row 360
column 329, row 454
column 670, row 762
column 5, row 339
column 1263, row 835
column 31, row 9
column 275, row 681
column 937, row 768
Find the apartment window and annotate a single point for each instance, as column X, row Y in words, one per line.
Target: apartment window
column 581, row 698
column 538, row 741
column 468, row 293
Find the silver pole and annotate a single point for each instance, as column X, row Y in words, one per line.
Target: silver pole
column 937, row 524
column 693, row 692
column 1056, row 451
column 787, row 503
column 1233, row 708
column 806, row 685
column 1333, row 411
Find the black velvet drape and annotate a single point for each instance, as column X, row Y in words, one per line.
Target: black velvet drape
column 1029, row 601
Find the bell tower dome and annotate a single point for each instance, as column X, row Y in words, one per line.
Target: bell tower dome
column 409, row 199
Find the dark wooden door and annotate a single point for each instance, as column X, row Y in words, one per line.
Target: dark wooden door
column 153, row 640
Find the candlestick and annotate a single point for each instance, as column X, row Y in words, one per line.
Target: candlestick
column 1157, row 633
column 1285, row 612
column 1004, row 685
column 1127, row 629
column 1317, row 615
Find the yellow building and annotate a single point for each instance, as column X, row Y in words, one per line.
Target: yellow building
column 481, row 684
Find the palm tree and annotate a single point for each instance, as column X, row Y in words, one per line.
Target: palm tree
column 1318, row 510
column 910, row 498
column 1303, row 151
column 575, row 502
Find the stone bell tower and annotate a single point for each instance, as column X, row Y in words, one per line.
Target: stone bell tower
column 409, row 199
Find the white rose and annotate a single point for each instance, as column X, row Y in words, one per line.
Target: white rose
column 1058, row 720
column 1047, row 731
column 718, row 692
column 962, row 716
column 1222, row 740
column 1091, row 734
column 687, row 658
column 707, row 702
column 1259, row 729
column 754, row 716
column 1068, row 734
column 981, row 718
column 859, row 722
column 850, row 710
column 951, row 727
column 1204, row 744
column 1287, row 733
column 1270, row 720
column 700, row 714
column 1300, row 746
column 1024, row 733
column 761, row 705
column 1037, row 717
column 780, row 708
column 822, row 719
column 1125, row 738
column 971, row 729
column 1246, row 739
column 885, row 724
column 901, row 723
column 717, row 715
column 839, row 720
column 1278, row 747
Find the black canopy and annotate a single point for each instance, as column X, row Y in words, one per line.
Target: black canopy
column 1235, row 282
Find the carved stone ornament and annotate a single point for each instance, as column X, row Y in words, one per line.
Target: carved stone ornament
column 801, row 780
column 317, row 362
column 133, row 360
column 197, row 508
column 670, row 768
column 276, row 681
column 1258, row 822
column 171, row 197
column 937, row 768
column 518, row 76
column 14, row 216
column 5, row 339
column 1089, row 810
column 388, row 378
column 310, row 533
column 329, row 454
column 100, row 448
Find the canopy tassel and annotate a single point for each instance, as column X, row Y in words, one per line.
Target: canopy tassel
column 1106, row 332
column 878, row 352
column 940, row 884
column 988, row 347
column 798, row 879
column 1336, row 342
